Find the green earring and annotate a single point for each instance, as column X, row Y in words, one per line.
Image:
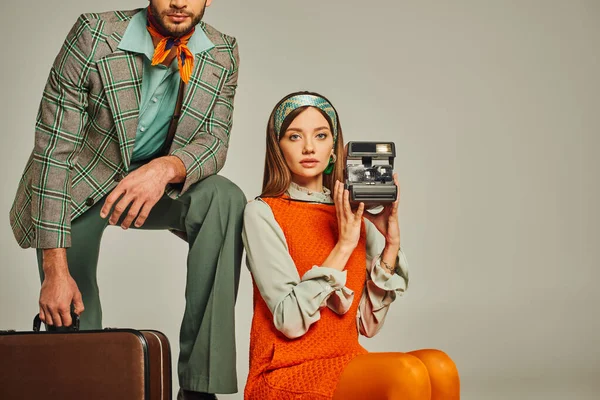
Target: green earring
column 331, row 164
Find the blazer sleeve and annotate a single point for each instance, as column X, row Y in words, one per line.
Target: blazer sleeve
column 58, row 137
column 205, row 155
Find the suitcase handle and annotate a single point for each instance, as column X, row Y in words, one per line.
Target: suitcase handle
column 37, row 325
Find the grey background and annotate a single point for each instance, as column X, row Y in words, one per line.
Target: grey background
column 494, row 109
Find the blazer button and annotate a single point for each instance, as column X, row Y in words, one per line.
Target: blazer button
column 119, row 177
column 89, row 202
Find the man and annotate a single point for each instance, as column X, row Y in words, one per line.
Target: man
column 100, row 158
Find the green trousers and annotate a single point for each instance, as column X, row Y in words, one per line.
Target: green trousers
column 210, row 213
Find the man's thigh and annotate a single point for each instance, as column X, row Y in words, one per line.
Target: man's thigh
column 167, row 213
column 171, row 213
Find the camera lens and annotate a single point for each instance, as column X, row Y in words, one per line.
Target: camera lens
column 383, row 173
column 356, row 173
column 370, row 175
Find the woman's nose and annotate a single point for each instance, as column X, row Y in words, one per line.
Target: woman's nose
column 308, row 147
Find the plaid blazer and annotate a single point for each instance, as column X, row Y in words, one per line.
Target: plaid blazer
column 87, row 121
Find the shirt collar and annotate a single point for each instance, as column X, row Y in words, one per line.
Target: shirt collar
column 136, row 38
column 298, row 192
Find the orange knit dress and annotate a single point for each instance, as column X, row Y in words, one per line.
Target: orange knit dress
column 310, row 366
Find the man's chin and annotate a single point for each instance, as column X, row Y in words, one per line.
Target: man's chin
column 178, row 30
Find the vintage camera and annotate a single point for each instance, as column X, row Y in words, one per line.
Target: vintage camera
column 369, row 173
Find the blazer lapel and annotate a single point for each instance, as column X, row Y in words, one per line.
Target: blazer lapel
column 121, row 73
column 200, row 96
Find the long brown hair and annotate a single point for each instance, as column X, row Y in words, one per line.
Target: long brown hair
column 277, row 176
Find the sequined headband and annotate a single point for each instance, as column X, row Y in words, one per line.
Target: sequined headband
column 302, row 100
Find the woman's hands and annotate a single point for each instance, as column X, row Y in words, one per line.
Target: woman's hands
column 349, row 223
column 387, row 223
column 387, row 220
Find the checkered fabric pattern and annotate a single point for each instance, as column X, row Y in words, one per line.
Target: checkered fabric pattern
column 87, row 121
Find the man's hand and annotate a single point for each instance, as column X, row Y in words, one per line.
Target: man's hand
column 59, row 290
column 141, row 190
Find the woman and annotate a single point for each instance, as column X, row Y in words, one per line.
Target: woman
column 323, row 275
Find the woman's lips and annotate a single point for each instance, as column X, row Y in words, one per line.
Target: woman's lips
column 309, row 163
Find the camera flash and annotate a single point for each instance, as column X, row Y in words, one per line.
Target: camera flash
column 383, row 148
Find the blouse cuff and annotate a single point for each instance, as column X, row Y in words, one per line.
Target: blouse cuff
column 332, row 278
column 329, row 279
column 385, row 280
column 341, row 300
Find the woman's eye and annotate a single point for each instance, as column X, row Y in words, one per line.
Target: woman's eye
column 322, row 135
column 294, row 136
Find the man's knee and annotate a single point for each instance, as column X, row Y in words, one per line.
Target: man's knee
column 226, row 189
column 216, row 196
column 220, row 189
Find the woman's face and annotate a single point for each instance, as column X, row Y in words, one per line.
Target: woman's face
column 307, row 145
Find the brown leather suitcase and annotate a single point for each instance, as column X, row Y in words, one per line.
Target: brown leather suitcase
column 106, row 364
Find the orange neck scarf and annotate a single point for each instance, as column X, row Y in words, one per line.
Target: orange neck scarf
column 185, row 58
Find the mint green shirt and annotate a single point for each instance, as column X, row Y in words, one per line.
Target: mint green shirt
column 159, row 87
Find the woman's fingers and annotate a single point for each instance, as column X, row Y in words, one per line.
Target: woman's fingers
column 397, row 186
column 359, row 212
column 347, row 208
column 336, row 201
column 335, row 186
column 394, row 208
